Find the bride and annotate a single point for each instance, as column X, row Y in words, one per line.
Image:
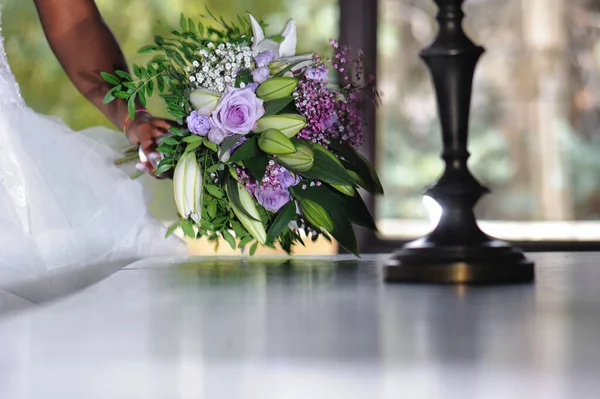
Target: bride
column 63, row 204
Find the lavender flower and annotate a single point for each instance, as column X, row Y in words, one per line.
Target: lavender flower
column 252, row 86
column 331, row 120
column 198, row 124
column 263, row 59
column 260, row 74
column 238, row 111
column 272, row 199
column 318, row 74
column 286, row 179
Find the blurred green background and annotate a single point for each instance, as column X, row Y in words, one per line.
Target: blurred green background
column 47, row 89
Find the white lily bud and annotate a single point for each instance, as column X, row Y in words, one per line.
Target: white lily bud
column 254, row 227
column 288, row 124
column 187, row 187
column 205, row 101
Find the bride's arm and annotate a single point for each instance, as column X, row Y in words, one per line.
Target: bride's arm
column 85, row 46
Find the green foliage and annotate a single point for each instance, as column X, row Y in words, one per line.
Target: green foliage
column 132, row 22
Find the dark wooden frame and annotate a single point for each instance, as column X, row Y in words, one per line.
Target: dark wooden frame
column 358, row 30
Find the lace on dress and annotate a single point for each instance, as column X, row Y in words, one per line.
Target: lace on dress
column 11, row 175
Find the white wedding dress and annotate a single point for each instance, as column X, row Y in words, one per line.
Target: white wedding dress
column 63, row 204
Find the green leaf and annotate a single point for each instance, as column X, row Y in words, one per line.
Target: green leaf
column 257, row 166
column 230, row 142
column 357, row 211
column 131, row 106
column 110, row 78
column 277, row 38
column 188, row 228
column 147, row 49
column 150, row 88
column 244, row 76
column 212, row 209
column 130, row 86
column 183, row 22
column 123, row 75
column 253, row 248
column 215, row 191
column 327, row 170
column 165, row 149
column 234, row 197
column 163, row 167
column 172, row 228
column 109, row 97
column 246, row 151
column 245, row 241
column 274, row 106
column 285, row 216
column 215, row 167
column 333, row 205
column 192, row 25
column 210, row 145
column 169, row 140
column 137, row 71
column 161, row 84
column 142, row 98
column 361, row 166
column 192, row 146
column 176, row 131
column 343, row 232
column 229, row 238
column 193, row 139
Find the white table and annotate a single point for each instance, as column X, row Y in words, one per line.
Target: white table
column 314, row 328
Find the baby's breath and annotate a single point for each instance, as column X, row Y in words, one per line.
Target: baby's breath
column 218, row 66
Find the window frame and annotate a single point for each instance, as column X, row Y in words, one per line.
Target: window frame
column 358, row 24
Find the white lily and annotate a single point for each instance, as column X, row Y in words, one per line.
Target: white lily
column 187, row 187
column 254, row 226
column 299, row 62
column 205, row 101
column 284, row 48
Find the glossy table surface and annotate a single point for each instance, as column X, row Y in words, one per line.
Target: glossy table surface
column 307, row 328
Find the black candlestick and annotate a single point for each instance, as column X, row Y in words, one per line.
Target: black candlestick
column 456, row 251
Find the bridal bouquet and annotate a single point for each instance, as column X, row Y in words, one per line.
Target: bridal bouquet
column 266, row 148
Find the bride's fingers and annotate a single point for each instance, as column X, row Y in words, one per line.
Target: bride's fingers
column 161, row 126
column 148, row 147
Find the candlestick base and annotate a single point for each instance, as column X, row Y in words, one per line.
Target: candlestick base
column 490, row 262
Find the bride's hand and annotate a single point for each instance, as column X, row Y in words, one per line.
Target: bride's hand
column 143, row 130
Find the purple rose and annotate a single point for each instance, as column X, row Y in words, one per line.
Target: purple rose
column 199, row 124
column 216, row 135
column 318, row 74
column 238, row 111
column 263, row 59
column 286, row 179
column 272, row 199
column 260, row 74
column 252, row 86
